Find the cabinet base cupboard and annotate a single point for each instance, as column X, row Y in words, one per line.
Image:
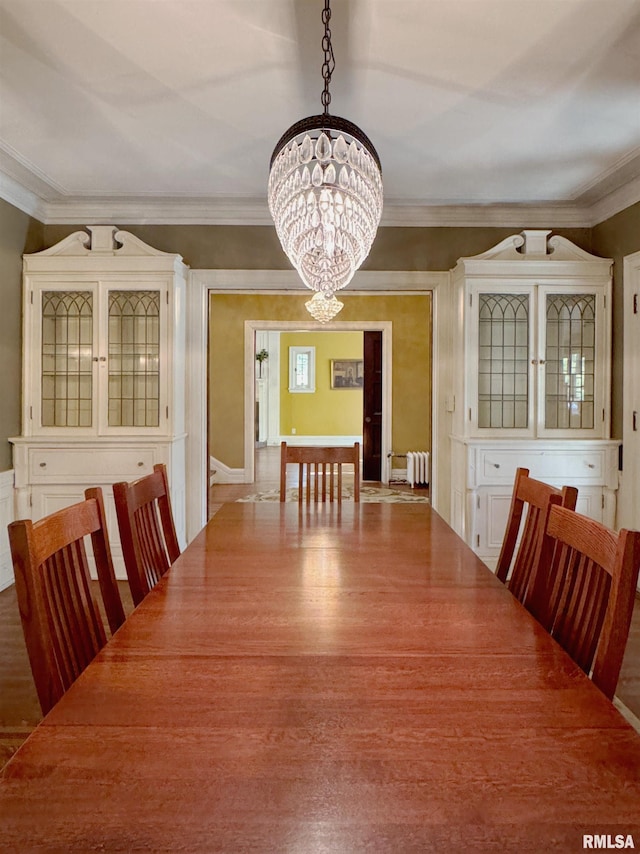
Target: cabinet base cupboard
column 532, row 369
column 103, row 373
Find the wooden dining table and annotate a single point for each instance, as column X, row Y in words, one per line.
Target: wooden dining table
column 347, row 679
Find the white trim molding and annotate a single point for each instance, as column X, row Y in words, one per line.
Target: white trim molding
column 629, row 497
column 7, row 515
column 220, row 473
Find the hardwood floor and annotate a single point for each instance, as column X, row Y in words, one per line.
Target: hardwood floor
column 19, row 707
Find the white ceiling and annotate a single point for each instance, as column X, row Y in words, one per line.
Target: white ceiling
column 168, row 110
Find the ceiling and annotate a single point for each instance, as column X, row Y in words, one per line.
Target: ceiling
column 168, row 110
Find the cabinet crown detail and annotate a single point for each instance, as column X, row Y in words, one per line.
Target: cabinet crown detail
column 534, row 245
column 101, row 240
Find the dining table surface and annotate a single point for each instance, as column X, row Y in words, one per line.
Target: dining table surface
column 343, row 679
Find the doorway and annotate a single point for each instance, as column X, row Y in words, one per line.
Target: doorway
column 381, row 419
column 276, row 293
column 346, row 384
column 372, row 406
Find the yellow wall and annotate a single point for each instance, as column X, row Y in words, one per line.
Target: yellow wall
column 411, row 356
column 326, row 412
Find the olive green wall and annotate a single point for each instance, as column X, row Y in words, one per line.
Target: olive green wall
column 327, row 411
column 15, row 227
column 411, row 363
column 257, row 248
column 615, row 238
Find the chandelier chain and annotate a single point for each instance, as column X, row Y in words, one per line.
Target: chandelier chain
column 329, row 63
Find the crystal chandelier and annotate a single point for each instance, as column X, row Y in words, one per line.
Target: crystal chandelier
column 325, row 196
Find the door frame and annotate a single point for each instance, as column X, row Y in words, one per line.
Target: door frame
column 252, row 326
column 394, row 283
column 628, row 504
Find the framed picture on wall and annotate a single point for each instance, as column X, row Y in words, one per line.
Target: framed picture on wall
column 347, row 373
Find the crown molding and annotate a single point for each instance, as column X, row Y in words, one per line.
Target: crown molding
column 616, row 201
column 553, row 215
column 251, row 211
column 18, row 196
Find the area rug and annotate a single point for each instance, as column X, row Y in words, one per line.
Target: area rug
column 368, row 495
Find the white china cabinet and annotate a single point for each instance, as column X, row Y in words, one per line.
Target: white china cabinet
column 103, row 372
column 532, row 381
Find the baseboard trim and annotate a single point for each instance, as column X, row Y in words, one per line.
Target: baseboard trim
column 220, row 473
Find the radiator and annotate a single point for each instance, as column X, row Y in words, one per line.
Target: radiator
column 418, row 467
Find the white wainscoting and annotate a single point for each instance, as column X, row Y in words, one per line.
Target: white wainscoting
column 7, row 515
column 321, row 441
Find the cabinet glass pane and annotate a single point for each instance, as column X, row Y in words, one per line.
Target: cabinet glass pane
column 570, row 361
column 503, row 360
column 134, row 358
column 67, row 358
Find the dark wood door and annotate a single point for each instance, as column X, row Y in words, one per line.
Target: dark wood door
column 372, row 416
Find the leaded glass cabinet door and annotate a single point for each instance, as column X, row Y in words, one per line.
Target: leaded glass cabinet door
column 133, row 362
column 503, row 361
column 101, row 364
column 501, row 341
column 66, row 337
column 572, row 363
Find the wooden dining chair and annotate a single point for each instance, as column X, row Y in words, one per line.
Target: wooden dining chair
column 320, row 471
column 516, row 568
column 585, row 591
column 147, row 530
column 61, row 620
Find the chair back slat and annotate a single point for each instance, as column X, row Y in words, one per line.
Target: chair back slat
column 76, row 629
column 104, row 563
column 147, row 530
column 531, row 500
column 534, row 524
column 155, row 559
column 589, row 589
column 320, row 475
column 580, row 616
column 60, row 616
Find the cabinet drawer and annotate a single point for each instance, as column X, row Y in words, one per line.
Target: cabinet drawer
column 89, row 464
column 564, row 466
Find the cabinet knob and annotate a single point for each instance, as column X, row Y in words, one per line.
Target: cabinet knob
column 591, row 465
column 496, row 465
column 43, row 465
column 140, row 464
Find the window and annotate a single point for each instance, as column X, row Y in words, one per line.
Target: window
column 302, row 369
